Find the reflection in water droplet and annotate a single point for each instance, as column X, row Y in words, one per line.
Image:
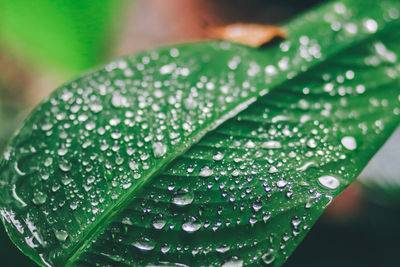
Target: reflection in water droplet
column 159, row 149
column 144, row 244
column 39, row 198
column 273, row 169
column 329, row 182
column 61, row 235
column 219, row 156
column 271, row 145
column 183, row 197
column 268, row 257
column 312, row 143
column 233, row 262
column 205, row 172
column 349, row 142
column 158, row 222
column 370, row 25
column 65, row 166
column 281, row 183
column 223, row 249
column 190, row 225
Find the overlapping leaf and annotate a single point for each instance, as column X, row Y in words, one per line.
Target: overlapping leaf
column 109, row 170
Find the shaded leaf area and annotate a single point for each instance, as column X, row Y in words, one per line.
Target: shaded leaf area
column 70, row 35
column 73, row 177
column 266, row 175
column 371, row 239
column 10, row 254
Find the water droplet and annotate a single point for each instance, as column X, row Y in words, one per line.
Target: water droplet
column 273, row 169
column 65, row 166
column 191, row 224
column 268, row 257
column 312, row 143
column 370, row 25
column 190, row 103
column 133, row 165
column 61, row 235
column 182, row 197
column 158, row 222
column 119, row 101
column 144, row 244
column 257, row 206
column 329, row 182
column 39, row 198
column 233, row 262
column 219, row 156
column 271, row 145
column 281, row 183
column 205, row 172
column 223, row 249
column 159, row 149
column 349, row 142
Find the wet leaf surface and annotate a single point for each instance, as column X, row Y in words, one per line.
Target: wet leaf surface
column 208, row 153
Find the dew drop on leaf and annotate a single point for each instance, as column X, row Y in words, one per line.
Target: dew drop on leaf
column 182, row 197
column 191, row 224
column 144, row 244
column 61, row 235
column 205, row 172
column 39, row 198
column 219, row 156
column 159, row 149
column 281, row 183
column 233, row 262
column 268, row 257
column 271, row 145
column 329, row 182
column 273, row 169
column 65, row 166
column 349, row 142
column 158, row 222
column 222, row 249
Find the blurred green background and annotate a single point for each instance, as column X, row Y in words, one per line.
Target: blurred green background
column 44, row 43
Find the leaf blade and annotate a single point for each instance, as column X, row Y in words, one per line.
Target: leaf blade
column 93, row 89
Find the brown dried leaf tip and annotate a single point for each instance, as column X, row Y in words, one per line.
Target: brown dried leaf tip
column 254, row 35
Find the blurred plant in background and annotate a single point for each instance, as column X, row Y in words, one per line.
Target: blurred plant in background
column 42, row 44
column 45, row 42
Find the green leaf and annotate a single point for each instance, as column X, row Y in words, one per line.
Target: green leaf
column 207, row 153
column 71, row 36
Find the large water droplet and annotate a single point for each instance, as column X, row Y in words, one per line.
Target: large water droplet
column 233, row 262
column 183, row 197
column 268, row 257
column 144, row 244
column 158, row 222
column 61, row 235
column 191, row 224
column 219, row 156
column 159, row 149
column 349, row 142
column 39, row 198
column 205, row 172
column 271, row 145
column 329, row 182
